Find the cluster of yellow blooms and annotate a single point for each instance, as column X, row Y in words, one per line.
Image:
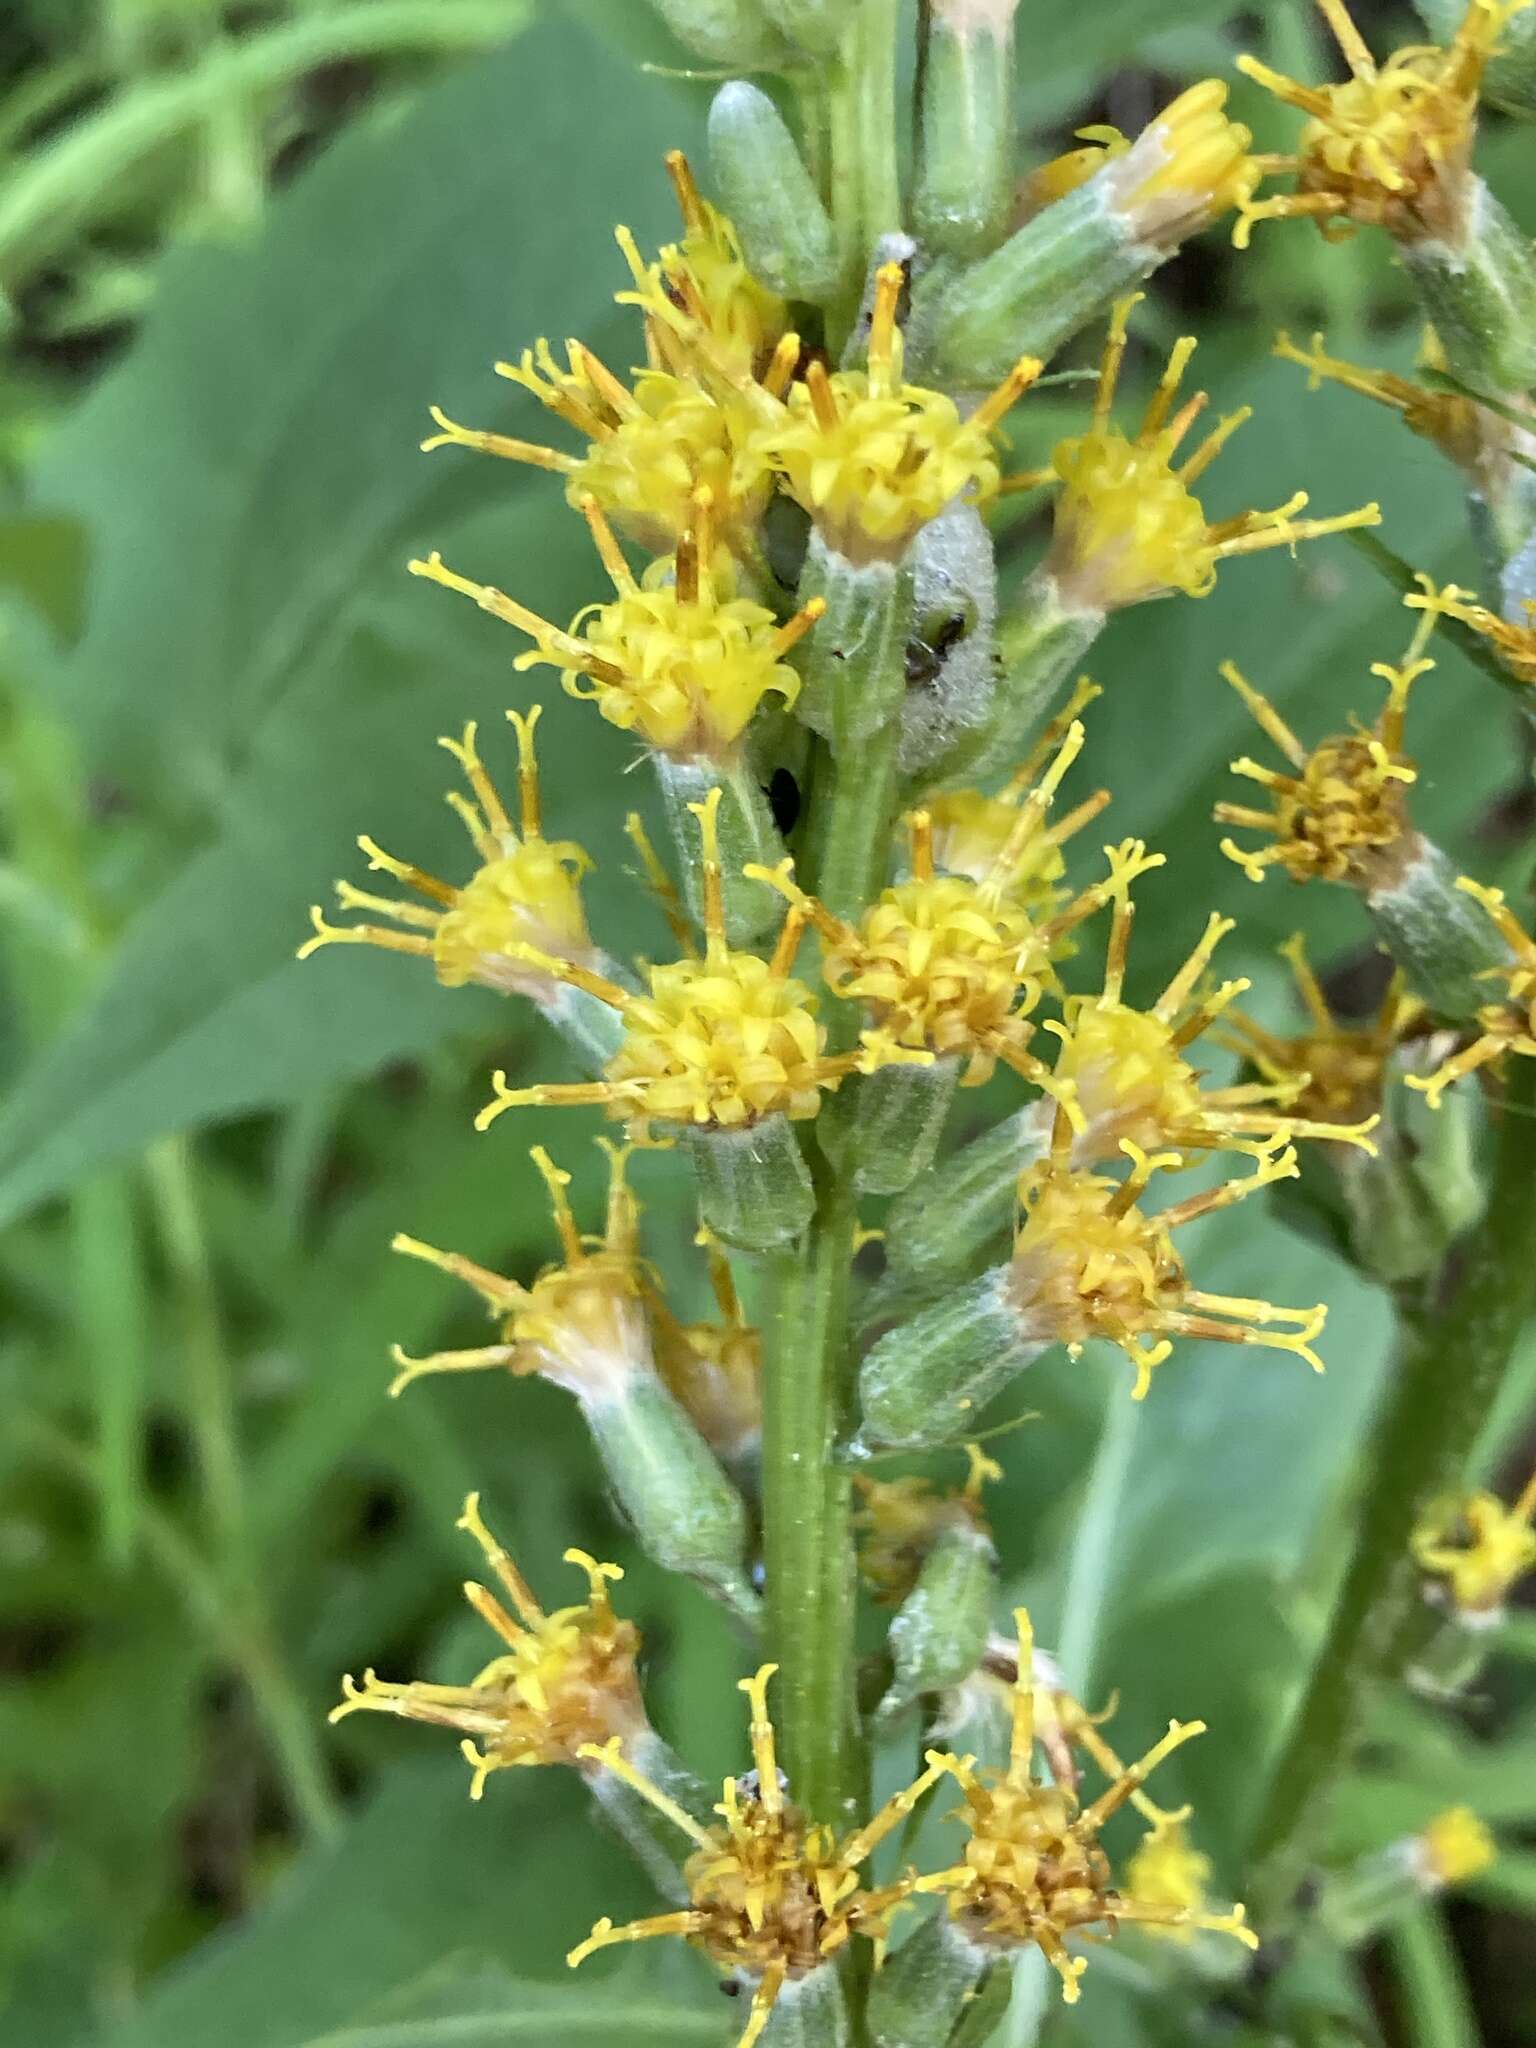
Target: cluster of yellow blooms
column 943, row 971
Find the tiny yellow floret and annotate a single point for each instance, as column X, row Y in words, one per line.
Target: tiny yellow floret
column 527, row 890
column 1505, row 1026
column 565, row 1682
column 1128, row 525
column 1185, row 169
column 1089, row 1262
column 1340, row 811
column 871, row 458
column 1455, row 1847
column 1390, row 147
column 1478, row 1548
column 1033, row 1869
column 772, row 1896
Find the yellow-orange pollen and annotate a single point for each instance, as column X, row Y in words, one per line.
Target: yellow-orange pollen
column 1128, row 526
column 1088, row 1262
column 1389, row 146
column 564, row 1682
column 1033, row 1869
column 527, row 890
column 771, row 1895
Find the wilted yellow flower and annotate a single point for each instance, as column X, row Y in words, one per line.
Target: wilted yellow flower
column 1390, row 146
column 770, row 1894
column 1479, row 1547
column 565, row 1682
column 872, row 458
column 680, row 658
column 1121, row 1073
column 1465, row 432
column 719, row 1041
column 1514, row 645
column 1088, row 1262
column 1332, row 1071
column 1341, row 813
column 1128, row 526
column 715, row 1369
column 582, row 1324
column 527, row 889
column 900, row 1519
column 1505, row 1026
column 1032, row 1869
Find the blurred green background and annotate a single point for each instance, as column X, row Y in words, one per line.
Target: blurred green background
column 241, row 248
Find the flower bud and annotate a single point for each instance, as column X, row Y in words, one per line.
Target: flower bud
column 926, row 1381
column 747, row 835
column 1480, row 292
column 1451, row 1849
column 815, row 26
column 1065, row 265
column 938, row 1635
column 755, row 1190
column 767, row 191
column 965, row 1205
column 966, row 135
column 892, row 1121
column 854, row 669
column 730, row 32
column 919, row 1996
column 1510, row 79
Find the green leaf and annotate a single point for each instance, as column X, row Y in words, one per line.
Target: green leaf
column 254, row 662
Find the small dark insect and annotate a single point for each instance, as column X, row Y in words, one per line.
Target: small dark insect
column 784, row 800
column 924, row 658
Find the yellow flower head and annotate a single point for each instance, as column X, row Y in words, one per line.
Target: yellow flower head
column 984, row 838
column 947, row 967
column 1334, row 1072
column 1051, row 181
column 1467, row 433
column 1185, row 169
column 526, row 891
column 718, row 1041
column 1122, row 1073
column 1341, row 811
column 1167, row 1873
column 1033, row 1869
column 901, row 1519
column 1128, row 526
column 703, row 279
column 872, row 458
column 771, row 1895
column 1513, row 645
column 582, row 1323
column 1479, row 1547
column 1389, row 147
column 1505, row 1026
column 1088, row 1262
column 715, row 1369
column 1453, row 1848
column 565, row 1682
column 678, row 658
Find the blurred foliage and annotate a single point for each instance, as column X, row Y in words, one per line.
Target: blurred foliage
column 212, row 676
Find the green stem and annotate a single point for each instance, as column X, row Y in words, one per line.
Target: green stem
column 807, row 1501
column 1452, row 1356
column 864, row 182
column 1433, row 2001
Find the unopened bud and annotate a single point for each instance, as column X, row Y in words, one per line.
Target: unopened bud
column 940, row 1631
column 766, row 189
column 895, row 1118
column 685, row 1512
column 747, row 836
column 736, row 33
column 926, row 1381
column 965, row 1205
column 755, row 1191
column 966, row 138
